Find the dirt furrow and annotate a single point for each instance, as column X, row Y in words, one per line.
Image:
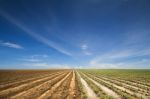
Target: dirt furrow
column 40, row 89
column 12, row 91
column 63, row 90
column 105, row 89
column 72, row 88
column 89, row 91
column 17, row 83
column 49, row 92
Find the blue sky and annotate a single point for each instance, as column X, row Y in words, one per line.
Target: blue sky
column 74, row 34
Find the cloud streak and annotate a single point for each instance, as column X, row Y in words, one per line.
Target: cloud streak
column 31, row 60
column 11, row 45
column 36, row 64
column 118, row 59
column 47, row 65
column 36, row 36
column 35, row 58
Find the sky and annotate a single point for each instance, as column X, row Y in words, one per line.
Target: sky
column 39, row 34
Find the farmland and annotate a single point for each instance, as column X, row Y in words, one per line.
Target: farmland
column 75, row 84
column 119, row 84
column 38, row 84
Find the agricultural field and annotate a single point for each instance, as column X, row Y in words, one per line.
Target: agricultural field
column 118, row 84
column 39, row 84
column 74, row 84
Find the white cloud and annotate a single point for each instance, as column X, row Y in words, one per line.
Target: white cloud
column 118, row 59
column 35, row 58
column 84, row 47
column 36, row 64
column 132, row 65
column 11, row 45
column 106, row 66
column 122, row 54
column 31, row 60
column 46, row 65
column 85, row 51
column 60, row 66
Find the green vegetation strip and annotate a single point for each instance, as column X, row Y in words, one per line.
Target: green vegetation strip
column 123, row 94
column 80, row 86
column 96, row 89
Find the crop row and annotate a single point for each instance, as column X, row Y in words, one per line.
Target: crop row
column 99, row 92
column 123, row 94
column 24, row 87
column 17, row 83
column 127, row 86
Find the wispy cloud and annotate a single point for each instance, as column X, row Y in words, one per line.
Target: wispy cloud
column 140, row 64
column 85, row 51
column 43, row 56
column 36, row 64
column 118, row 59
column 35, row 58
column 121, row 65
column 84, row 47
column 11, row 45
column 31, row 60
column 61, row 66
column 35, row 35
column 106, row 66
column 47, row 65
column 130, row 52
